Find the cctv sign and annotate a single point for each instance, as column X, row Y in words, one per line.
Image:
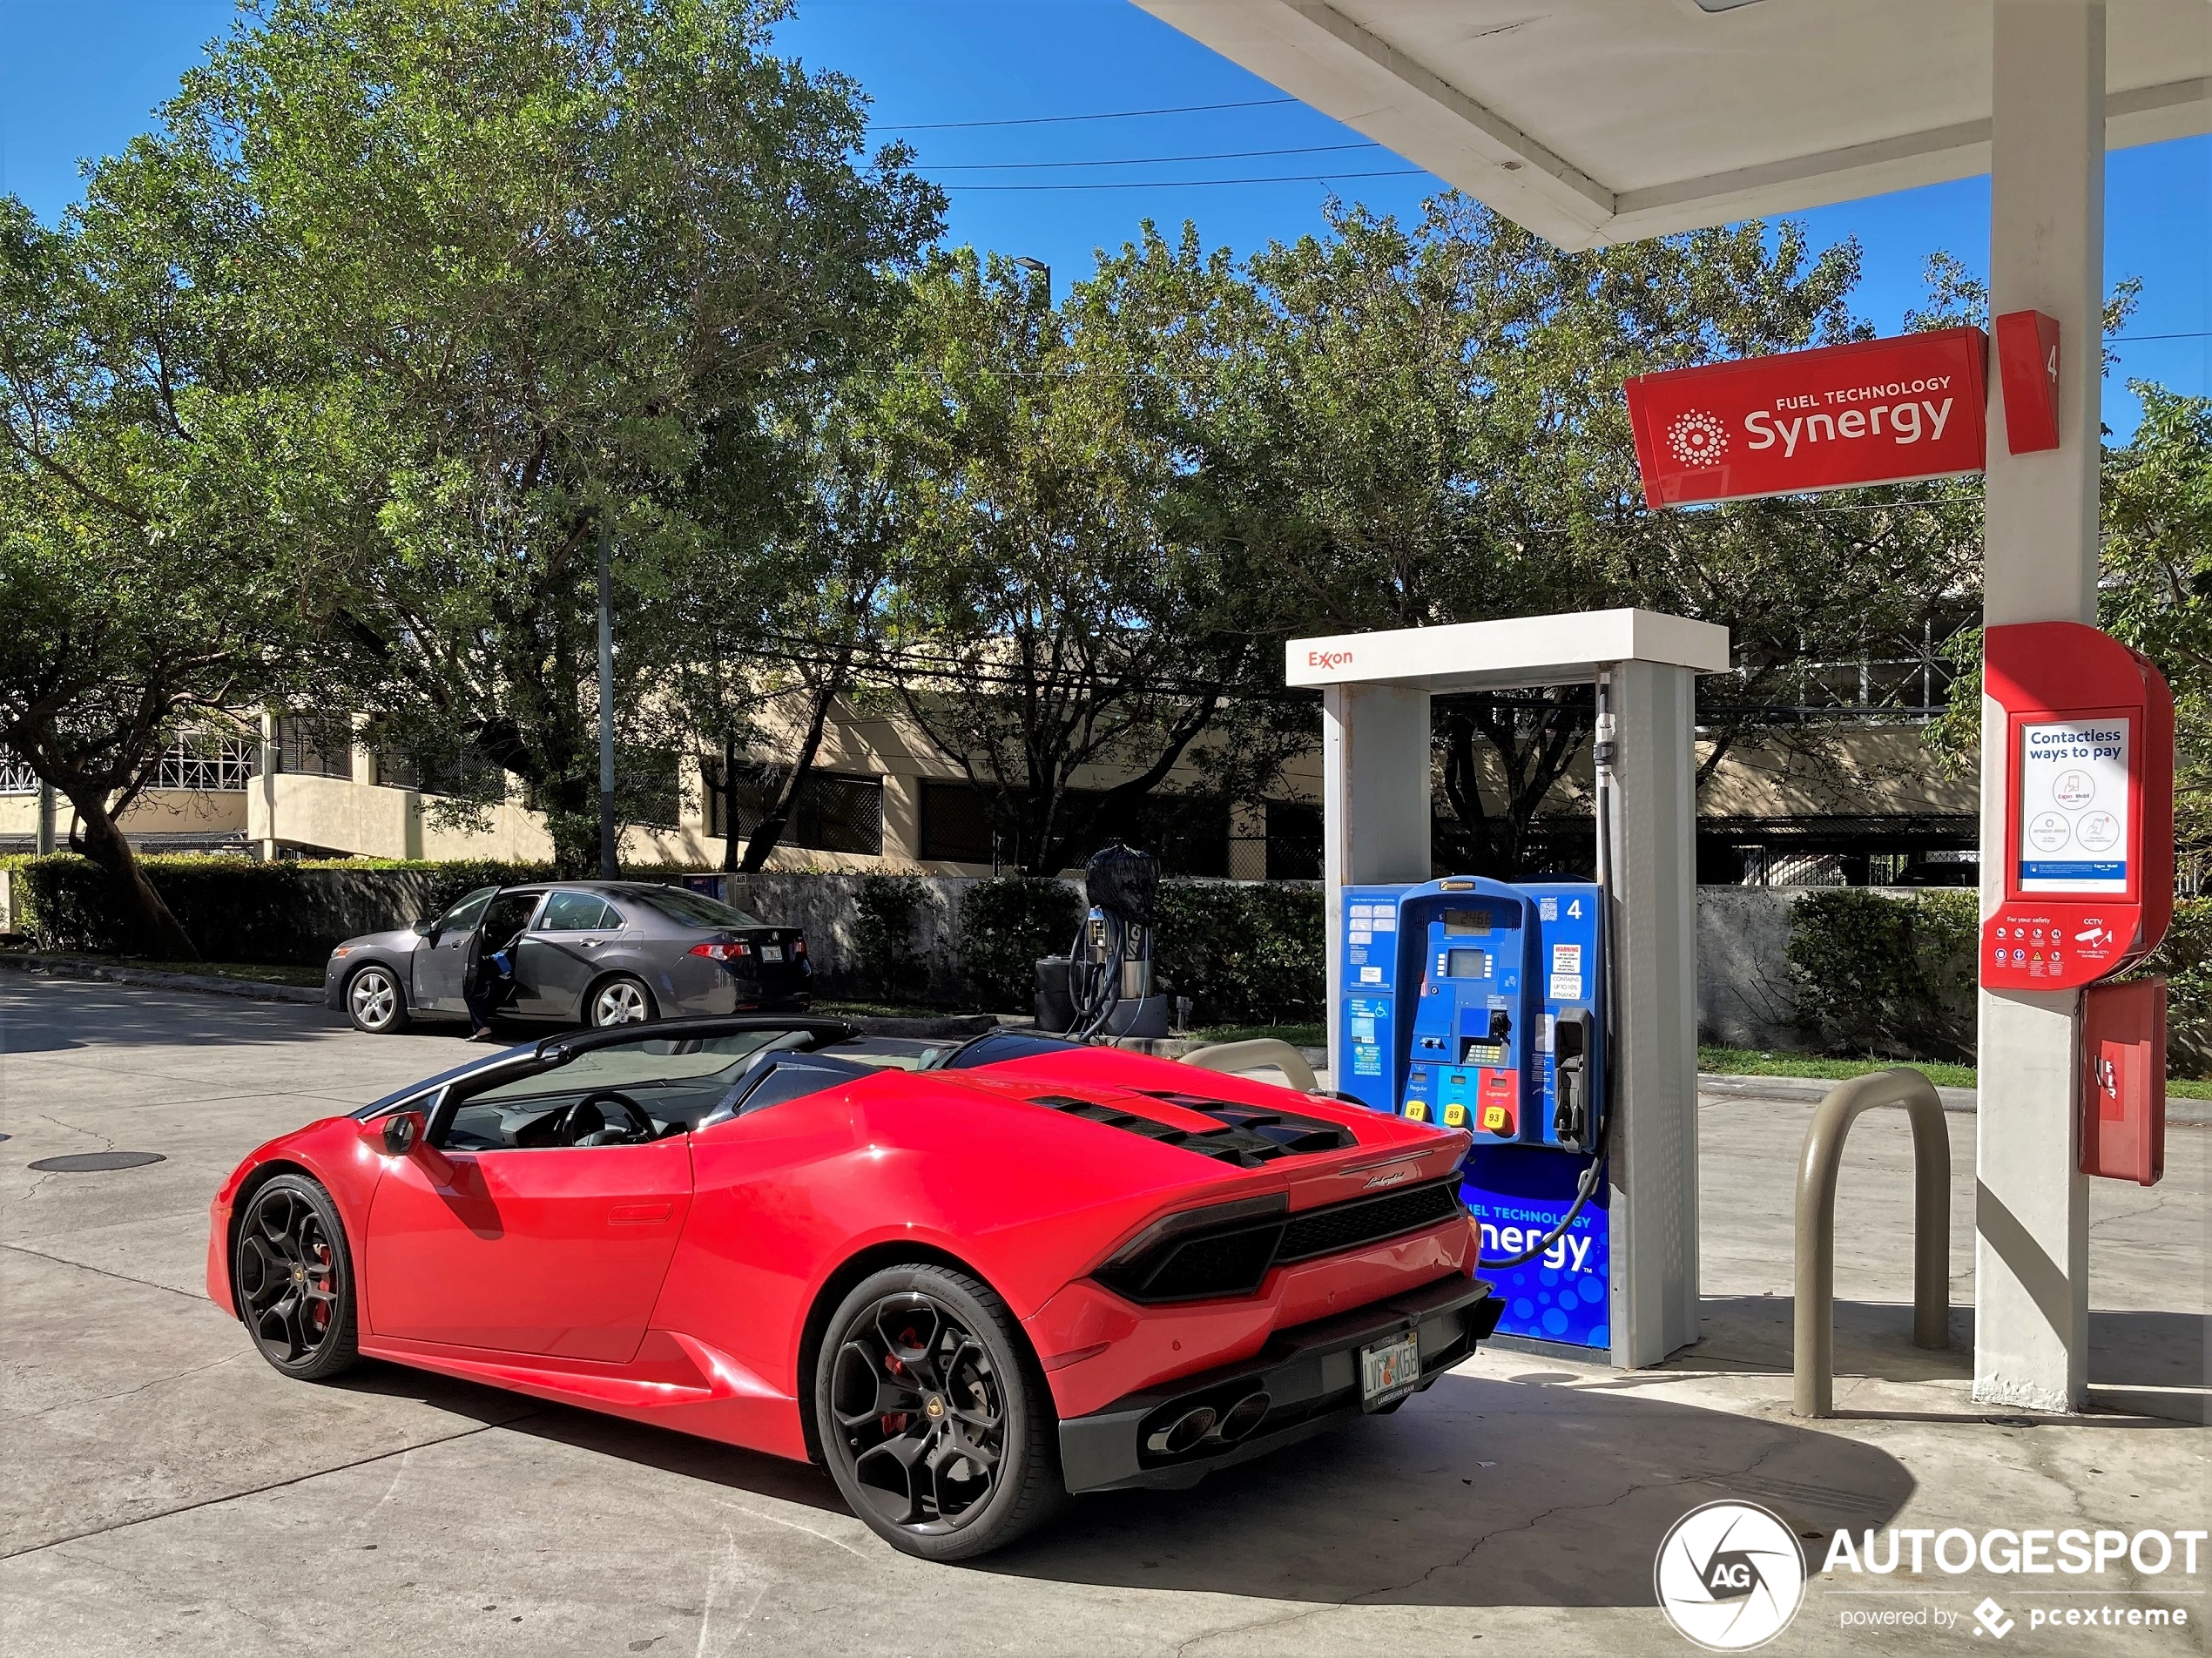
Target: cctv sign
column 1878, row 411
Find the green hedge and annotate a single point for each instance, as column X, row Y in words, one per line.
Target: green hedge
column 1005, row 926
column 238, row 910
column 1893, row 978
column 2184, row 959
column 1878, row 976
column 1244, row 953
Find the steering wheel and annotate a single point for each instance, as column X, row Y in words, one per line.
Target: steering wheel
column 585, row 1123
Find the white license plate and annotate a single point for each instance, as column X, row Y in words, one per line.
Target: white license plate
column 1389, row 1369
column 771, row 953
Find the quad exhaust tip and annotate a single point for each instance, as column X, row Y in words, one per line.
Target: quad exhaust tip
column 1184, row 1432
column 1187, row 1431
column 1243, row 1416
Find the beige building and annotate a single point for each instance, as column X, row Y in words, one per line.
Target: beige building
column 1864, row 805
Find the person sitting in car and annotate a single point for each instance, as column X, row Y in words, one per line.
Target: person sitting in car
column 488, row 981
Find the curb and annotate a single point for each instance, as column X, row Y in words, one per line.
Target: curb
column 246, row 989
column 1810, row 1090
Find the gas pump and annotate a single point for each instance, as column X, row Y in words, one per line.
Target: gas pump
column 1481, row 1005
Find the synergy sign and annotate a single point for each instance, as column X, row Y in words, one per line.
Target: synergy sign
column 1878, row 411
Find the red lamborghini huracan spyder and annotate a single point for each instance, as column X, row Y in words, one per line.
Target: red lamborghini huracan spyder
column 971, row 1280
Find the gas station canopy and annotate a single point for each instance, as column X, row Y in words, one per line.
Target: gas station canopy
column 1521, row 651
column 1596, row 121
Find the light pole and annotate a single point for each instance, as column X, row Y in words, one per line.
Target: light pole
column 607, row 868
column 1037, row 267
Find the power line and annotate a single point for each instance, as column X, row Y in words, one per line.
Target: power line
column 2130, row 339
column 1194, row 184
column 1105, row 115
column 1140, row 161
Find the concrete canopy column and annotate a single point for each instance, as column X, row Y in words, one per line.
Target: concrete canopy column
column 1652, row 1223
column 1374, row 800
column 2046, row 253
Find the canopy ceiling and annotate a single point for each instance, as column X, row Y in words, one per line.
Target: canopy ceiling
column 1593, row 121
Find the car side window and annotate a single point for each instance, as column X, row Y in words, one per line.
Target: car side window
column 619, row 1095
column 465, row 910
column 504, row 922
column 575, row 913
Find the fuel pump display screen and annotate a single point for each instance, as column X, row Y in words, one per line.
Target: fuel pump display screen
column 1462, row 962
column 2074, row 806
column 1475, row 923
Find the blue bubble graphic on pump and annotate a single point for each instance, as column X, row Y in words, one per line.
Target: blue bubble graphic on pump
column 1554, row 1322
column 1600, row 1336
column 1524, row 1308
column 1591, row 1290
column 1544, row 1297
column 1550, row 1274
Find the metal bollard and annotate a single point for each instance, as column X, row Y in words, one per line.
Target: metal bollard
column 1813, row 1351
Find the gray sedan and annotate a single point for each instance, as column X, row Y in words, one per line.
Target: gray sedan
column 593, row 952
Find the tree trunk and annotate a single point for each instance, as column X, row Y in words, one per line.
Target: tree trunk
column 158, row 930
column 729, row 804
column 777, row 817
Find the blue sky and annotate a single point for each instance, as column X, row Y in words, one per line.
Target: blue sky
column 77, row 78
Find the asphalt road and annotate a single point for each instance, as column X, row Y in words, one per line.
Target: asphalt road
column 165, row 1491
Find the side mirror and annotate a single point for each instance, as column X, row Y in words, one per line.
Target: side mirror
column 427, row 927
column 399, row 1134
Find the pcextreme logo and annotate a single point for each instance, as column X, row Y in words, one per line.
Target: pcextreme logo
column 1730, row 1576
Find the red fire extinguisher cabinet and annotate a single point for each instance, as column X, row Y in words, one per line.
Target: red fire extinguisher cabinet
column 2123, row 1080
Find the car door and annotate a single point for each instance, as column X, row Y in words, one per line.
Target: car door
column 442, row 954
column 552, row 1250
column 558, row 958
column 505, row 921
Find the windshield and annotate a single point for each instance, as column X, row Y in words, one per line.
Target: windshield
column 463, row 915
column 688, row 909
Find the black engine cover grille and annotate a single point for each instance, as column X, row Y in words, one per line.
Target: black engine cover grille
column 1233, row 1259
column 1364, row 1220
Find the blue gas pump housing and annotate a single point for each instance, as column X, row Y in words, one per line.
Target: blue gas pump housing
column 1479, row 1004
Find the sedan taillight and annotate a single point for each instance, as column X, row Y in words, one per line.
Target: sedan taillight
column 721, row 951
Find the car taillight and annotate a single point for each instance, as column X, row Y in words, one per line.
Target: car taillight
column 721, row 951
column 799, row 946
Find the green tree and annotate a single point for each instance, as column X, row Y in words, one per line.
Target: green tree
column 1439, row 436
column 536, row 269
column 2156, row 570
column 1058, row 620
column 144, row 591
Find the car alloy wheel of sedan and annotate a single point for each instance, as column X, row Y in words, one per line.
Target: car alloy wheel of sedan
column 621, row 1002
column 294, row 1289
column 372, row 998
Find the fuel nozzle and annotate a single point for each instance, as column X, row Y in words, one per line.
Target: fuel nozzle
column 1570, row 1080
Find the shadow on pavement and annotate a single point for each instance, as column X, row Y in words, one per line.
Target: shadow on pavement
column 1480, row 1492
column 2128, row 1350
column 105, row 1015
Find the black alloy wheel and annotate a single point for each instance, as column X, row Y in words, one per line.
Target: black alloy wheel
column 293, row 1279
column 937, row 1426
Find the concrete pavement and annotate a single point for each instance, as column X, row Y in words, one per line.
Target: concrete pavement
column 167, row 1490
